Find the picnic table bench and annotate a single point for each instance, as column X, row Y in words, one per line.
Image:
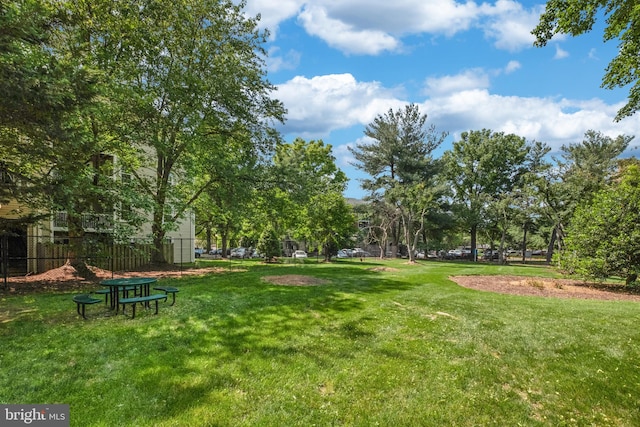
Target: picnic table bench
column 82, row 301
column 168, row 290
column 141, row 299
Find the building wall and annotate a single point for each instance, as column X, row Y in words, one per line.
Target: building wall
column 183, row 239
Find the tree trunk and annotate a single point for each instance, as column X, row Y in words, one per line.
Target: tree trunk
column 474, row 240
column 76, row 247
column 503, row 238
column 395, row 237
column 225, row 243
column 524, row 243
column 551, row 245
column 406, row 224
column 209, row 234
column 157, row 256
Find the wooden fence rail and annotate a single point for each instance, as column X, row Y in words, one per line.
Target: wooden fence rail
column 114, row 257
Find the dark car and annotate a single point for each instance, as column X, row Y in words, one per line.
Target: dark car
column 489, row 254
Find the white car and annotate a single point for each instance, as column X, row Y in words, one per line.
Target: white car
column 299, row 254
column 239, row 253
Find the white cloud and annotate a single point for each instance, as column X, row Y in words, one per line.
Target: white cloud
column 549, row 120
column 287, row 61
column 405, row 16
column 345, row 36
column 510, row 24
column 512, row 66
column 273, row 13
column 322, row 104
column 470, row 79
column 560, row 53
column 374, row 26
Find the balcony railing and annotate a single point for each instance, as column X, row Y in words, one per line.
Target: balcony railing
column 90, row 222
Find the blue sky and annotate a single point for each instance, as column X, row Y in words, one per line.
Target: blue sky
column 468, row 65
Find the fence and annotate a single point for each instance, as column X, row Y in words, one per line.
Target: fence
column 22, row 254
column 114, row 257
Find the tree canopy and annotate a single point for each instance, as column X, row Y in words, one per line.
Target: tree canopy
column 186, row 83
column 603, row 239
column 308, row 194
column 575, row 17
column 482, row 166
column 399, row 161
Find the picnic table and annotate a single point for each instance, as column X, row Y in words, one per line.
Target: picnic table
column 140, row 285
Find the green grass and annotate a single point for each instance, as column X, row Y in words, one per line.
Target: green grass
column 399, row 347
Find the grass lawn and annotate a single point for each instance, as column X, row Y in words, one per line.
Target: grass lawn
column 394, row 346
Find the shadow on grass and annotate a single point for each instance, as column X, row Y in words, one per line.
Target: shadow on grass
column 226, row 333
column 238, row 323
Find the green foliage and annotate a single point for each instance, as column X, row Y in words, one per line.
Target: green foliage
column 37, row 85
column 330, row 221
column 482, row 168
column 575, row 17
column 400, row 148
column 582, row 170
column 307, row 198
column 402, row 170
column 587, row 167
column 305, row 168
column 187, row 89
column 604, row 236
column 269, row 244
column 52, row 103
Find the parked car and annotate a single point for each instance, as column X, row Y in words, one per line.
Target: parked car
column 216, row 253
column 256, row 254
column 359, row 253
column 199, row 252
column 299, row 254
column 239, row 253
column 342, row 254
column 347, row 252
column 454, row 254
column 489, row 254
column 425, row 255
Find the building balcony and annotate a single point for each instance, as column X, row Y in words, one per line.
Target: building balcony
column 91, row 222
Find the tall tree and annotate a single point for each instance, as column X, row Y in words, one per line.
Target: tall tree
column 330, row 221
column 190, row 78
column 604, row 237
column 582, row 170
column 40, row 90
column 398, row 159
column 483, row 166
column 577, row 17
column 52, row 94
column 308, row 193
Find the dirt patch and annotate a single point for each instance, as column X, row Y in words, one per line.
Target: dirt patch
column 67, row 278
column 543, row 287
column 294, row 280
column 383, row 269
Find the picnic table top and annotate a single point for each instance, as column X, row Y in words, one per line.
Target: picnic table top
column 128, row 281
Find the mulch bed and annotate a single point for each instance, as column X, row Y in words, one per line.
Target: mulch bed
column 67, row 278
column 543, row 287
